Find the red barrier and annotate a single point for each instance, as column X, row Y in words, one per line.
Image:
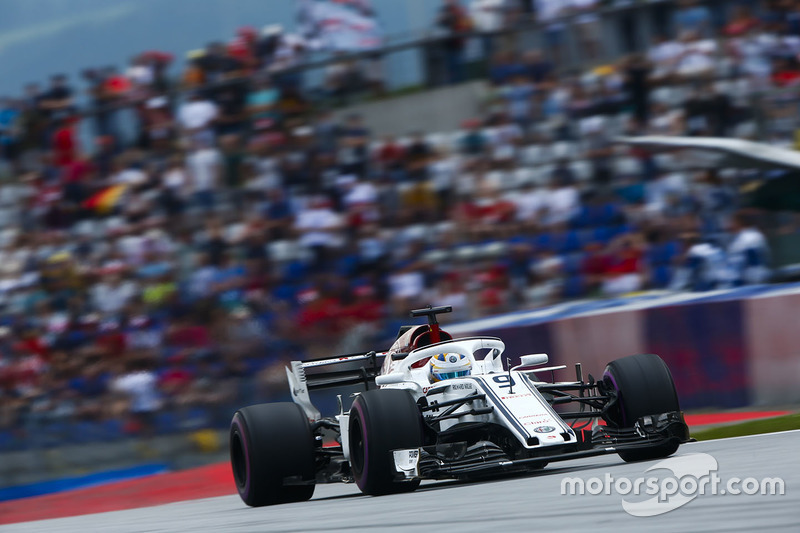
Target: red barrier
column 726, row 418
column 204, row 482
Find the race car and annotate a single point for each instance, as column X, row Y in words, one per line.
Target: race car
column 436, row 407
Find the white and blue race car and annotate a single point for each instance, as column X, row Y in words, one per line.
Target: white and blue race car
column 435, row 407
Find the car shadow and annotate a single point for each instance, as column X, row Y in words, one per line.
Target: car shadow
column 432, row 486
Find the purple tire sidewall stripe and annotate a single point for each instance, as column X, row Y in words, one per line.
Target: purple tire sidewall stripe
column 365, row 466
column 243, row 437
column 614, row 382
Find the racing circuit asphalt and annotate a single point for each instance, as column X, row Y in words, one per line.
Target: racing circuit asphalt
column 531, row 503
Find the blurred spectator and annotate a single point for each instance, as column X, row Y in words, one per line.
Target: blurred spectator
column 317, row 226
column 706, row 113
column 549, row 13
column 519, row 98
column 262, row 103
column 218, row 65
column 588, row 26
column 538, row 69
column 741, row 22
column 455, row 21
column 139, row 384
column 503, row 68
column 474, row 143
column 637, row 84
column 406, row 282
column 197, row 115
column 664, row 54
column 343, row 79
column 624, row 272
column 158, row 125
column 786, row 72
column 443, row 173
column 204, row 166
column 352, row 140
column 417, row 157
column 563, row 198
column 704, row 266
column 693, row 16
column 391, row 158
column 231, row 118
column 488, row 16
column 32, row 121
column 264, row 168
column 174, row 187
column 9, row 129
column 58, row 100
column 752, row 52
column 748, row 252
column 697, row 57
column 112, row 295
column 232, row 169
column 594, row 267
column 65, row 141
column 546, row 279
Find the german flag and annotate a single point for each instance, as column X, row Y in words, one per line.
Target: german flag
column 104, row 201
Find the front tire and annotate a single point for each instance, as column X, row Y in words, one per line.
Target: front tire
column 272, row 454
column 644, row 386
column 381, row 421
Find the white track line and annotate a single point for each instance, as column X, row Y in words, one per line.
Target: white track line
column 747, row 436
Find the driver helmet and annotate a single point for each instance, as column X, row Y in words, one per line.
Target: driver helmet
column 449, row 365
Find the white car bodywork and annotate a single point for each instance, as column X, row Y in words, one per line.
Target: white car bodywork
column 512, row 394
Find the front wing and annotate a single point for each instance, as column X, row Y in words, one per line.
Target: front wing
column 457, row 460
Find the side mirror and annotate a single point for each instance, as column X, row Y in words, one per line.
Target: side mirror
column 389, row 379
column 534, row 359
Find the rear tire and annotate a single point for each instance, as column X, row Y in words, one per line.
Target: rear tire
column 644, row 387
column 272, row 444
column 381, row 421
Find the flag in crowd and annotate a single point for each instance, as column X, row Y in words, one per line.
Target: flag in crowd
column 341, row 25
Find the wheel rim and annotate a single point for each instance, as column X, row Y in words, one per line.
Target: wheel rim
column 357, row 446
column 618, row 409
column 238, row 460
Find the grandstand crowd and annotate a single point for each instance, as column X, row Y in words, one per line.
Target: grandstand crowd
column 147, row 278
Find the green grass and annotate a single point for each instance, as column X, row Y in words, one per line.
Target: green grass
column 751, row 427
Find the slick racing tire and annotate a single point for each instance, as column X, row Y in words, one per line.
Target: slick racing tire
column 381, row 421
column 272, row 454
column 644, row 386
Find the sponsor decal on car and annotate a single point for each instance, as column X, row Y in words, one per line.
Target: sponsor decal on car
column 441, row 387
column 535, row 420
column 516, row 396
column 544, row 429
column 535, row 415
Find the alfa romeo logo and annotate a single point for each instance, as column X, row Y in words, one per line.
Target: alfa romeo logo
column 453, row 358
column 544, row 429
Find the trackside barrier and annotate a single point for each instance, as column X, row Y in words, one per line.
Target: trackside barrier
column 78, row 482
column 726, row 349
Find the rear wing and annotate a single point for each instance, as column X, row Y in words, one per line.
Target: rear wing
column 360, row 369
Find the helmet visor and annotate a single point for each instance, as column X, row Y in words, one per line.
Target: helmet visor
column 439, row 376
